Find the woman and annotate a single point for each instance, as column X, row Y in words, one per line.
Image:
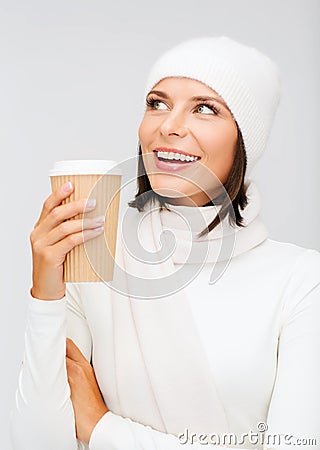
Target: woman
column 225, row 351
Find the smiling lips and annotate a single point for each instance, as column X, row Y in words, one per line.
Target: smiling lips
column 176, row 154
column 172, row 159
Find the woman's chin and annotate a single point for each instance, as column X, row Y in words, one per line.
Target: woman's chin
column 180, row 198
column 163, row 192
column 172, row 193
column 170, row 187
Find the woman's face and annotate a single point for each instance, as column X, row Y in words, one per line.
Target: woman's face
column 185, row 117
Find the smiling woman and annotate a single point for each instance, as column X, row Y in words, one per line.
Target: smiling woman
column 187, row 127
column 210, row 333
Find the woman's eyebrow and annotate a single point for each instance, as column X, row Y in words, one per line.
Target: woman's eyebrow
column 204, row 98
column 160, row 93
column 199, row 98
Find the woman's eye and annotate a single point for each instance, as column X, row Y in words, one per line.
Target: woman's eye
column 204, row 109
column 157, row 104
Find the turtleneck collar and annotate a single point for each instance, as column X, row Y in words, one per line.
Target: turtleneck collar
column 224, row 241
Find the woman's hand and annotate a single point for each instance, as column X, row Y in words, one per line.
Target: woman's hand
column 54, row 236
column 88, row 403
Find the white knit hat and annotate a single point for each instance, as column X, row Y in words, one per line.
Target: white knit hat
column 246, row 79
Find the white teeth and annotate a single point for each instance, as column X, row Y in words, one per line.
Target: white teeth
column 176, row 156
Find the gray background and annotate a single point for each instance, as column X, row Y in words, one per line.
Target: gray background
column 72, row 77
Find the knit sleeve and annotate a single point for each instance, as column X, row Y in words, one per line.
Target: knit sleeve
column 117, row 433
column 42, row 416
column 294, row 411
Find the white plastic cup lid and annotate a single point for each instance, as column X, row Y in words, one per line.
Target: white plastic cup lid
column 84, row 167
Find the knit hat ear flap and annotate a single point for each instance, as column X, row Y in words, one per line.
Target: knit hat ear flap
column 246, row 79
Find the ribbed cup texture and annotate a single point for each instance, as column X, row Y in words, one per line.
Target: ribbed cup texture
column 93, row 260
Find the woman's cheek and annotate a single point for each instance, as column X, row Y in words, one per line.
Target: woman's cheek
column 146, row 130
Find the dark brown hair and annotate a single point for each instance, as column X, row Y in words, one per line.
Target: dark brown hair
column 232, row 200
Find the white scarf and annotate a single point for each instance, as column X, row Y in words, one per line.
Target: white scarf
column 162, row 377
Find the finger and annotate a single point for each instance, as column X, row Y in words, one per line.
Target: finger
column 73, row 352
column 55, row 199
column 70, row 363
column 72, row 240
column 69, row 227
column 59, row 214
column 69, row 366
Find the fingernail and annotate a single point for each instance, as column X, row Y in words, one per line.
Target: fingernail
column 91, row 203
column 99, row 219
column 67, row 187
column 98, row 229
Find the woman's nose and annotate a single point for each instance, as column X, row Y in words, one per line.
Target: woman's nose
column 174, row 123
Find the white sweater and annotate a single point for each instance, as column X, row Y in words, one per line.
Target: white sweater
column 259, row 336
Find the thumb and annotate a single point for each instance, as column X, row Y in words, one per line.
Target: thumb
column 73, row 352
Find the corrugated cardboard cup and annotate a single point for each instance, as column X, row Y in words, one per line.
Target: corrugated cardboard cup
column 93, row 260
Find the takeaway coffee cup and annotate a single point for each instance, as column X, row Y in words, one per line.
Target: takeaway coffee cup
column 93, row 260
